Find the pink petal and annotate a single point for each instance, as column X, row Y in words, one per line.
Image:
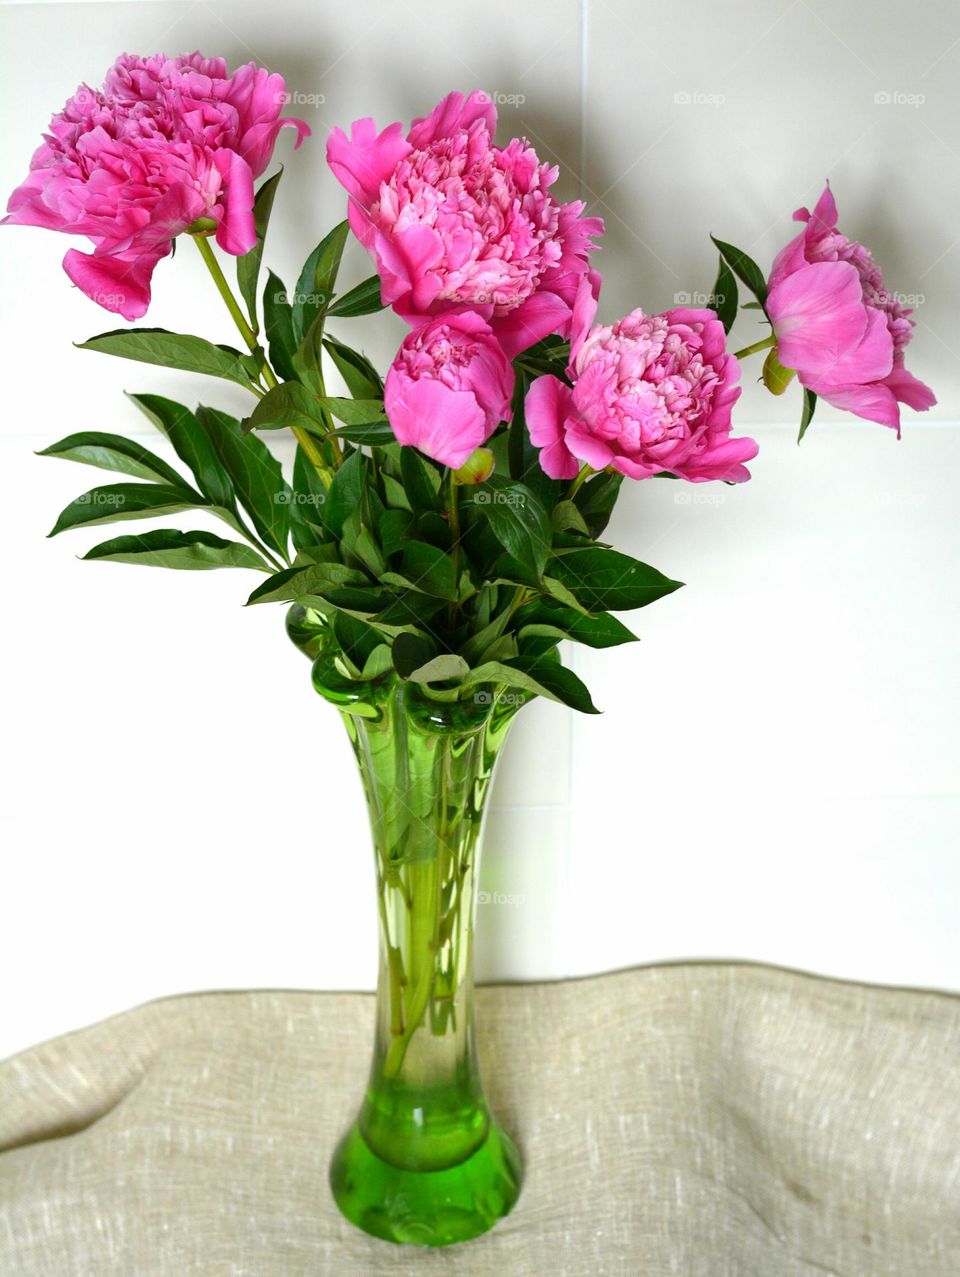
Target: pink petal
column 540, row 315
column 453, row 114
column 444, row 424
column 237, row 233
column 367, row 158
column 584, row 310
column 873, row 402
column 119, row 284
column 909, row 390
column 823, row 327
column 547, row 404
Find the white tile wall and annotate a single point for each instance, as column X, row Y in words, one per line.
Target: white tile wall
column 775, row 774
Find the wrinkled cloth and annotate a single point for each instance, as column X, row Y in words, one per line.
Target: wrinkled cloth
column 701, row 1120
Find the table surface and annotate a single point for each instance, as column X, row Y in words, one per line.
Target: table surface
column 701, row 1120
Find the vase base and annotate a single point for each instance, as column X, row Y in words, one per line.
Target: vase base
column 425, row 1208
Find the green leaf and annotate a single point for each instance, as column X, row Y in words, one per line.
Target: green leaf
column 809, row 407
column 394, row 530
column 361, row 378
column 596, row 500
column 278, row 326
column 357, row 639
column 119, row 501
column 410, row 652
column 606, row 580
column 776, row 378
column 255, row 473
column 191, row 445
column 517, row 520
column 114, row 452
column 344, row 494
column 308, row 497
column 315, row 285
column 298, row 584
column 421, row 481
column 172, row 350
column 724, row 297
column 248, row 266
column 429, row 570
column 170, row 548
column 537, row 675
column 600, row 630
column 566, row 516
column 354, row 412
column 439, row 669
column 362, row 300
column 744, row 267
column 288, row 406
column 376, row 433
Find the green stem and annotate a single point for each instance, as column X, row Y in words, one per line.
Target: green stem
column 579, row 481
column 757, row 345
column 250, row 338
column 453, row 511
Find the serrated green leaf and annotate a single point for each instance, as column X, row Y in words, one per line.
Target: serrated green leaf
column 170, row 548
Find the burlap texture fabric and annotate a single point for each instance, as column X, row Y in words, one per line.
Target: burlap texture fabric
column 681, row 1121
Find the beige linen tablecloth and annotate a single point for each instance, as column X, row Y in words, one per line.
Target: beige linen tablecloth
column 690, row 1121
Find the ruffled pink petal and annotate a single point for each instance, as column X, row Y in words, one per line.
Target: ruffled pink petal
column 540, row 315
column 237, row 232
column 873, row 401
column 589, row 447
column 722, row 461
column 407, row 260
column 115, row 283
column 367, row 158
column 824, row 216
column 453, row 113
column 909, row 389
column 547, row 406
column 584, row 310
column 447, row 425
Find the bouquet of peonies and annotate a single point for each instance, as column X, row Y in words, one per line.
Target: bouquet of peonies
column 444, row 522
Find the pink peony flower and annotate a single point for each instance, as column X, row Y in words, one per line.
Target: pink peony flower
column 651, row 394
column 454, row 221
column 449, row 387
column 837, row 324
column 166, row 141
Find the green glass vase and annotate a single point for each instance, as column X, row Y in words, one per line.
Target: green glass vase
column 425, row 1162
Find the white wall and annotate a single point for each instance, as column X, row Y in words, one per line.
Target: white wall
column 775, row 776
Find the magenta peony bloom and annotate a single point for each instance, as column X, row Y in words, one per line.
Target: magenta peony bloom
column 837, row 324
column 651, row 394
column 454, row 221
column 166, row 141
column 449, row 387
